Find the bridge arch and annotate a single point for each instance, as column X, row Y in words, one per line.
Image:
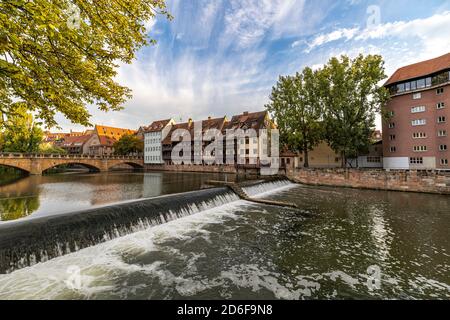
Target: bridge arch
column 132, row 164
column 89, row 166
column 19, row 166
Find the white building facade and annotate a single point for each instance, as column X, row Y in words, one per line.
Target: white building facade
column 153, row 137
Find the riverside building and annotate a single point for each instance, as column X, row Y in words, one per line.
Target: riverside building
column 416, row 135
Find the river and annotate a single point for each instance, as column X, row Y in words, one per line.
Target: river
column 340, row 244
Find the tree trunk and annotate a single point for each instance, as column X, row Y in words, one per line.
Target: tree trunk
column 344, row 160
column 306, row 153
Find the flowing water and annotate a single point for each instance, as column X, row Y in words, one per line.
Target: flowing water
column 341, row 243
column 37, row 196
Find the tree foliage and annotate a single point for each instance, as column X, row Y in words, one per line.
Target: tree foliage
column 294, row 104
column 351, row 97
column 337, row 103
column 48, row 148
column 53, row 62
column 128, row 144
column 21, row 133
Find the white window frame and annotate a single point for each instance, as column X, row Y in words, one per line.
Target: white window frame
column 418, row 109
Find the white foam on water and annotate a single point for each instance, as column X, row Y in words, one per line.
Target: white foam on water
column 101, row 265
column 255, row 278
column 269, row 188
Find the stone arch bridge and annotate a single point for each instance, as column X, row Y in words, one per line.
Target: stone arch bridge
column 36, row 164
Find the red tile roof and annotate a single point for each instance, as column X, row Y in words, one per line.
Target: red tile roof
column 157, row 126
column 106, row 141
column 247, row 121
column 115, row 133
column 75, row 141
column 185, row 126
column 420, row 69
column 209, row 124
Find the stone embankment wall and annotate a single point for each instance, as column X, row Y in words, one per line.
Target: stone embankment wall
column 412, row 181
column 192, row 168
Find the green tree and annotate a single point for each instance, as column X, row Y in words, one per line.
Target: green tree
column 58, row 56
column 21, row 133
column 295, row 105
column 351, row 96
column 48, row 148
column 128, row 144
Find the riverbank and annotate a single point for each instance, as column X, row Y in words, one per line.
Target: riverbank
column 436, row 182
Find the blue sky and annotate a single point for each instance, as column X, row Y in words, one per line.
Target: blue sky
column 222, row 57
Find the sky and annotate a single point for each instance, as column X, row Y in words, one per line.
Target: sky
column 222, row 57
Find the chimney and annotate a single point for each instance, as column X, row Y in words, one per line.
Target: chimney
column 190, row 121
column 245, row 113
column 209, row 118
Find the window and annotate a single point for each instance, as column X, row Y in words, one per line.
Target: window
column 440, row 91
column 374, row 159
column 392, row 137
column 255, row 151
column 440, row 105
column 391, row 113
column 444, row 162
column 420, row 83
column 420, row 122
column 393, row 149
column 255, row 140
column 417, row 96
column 419, row 135
column 428, row 82
column 441, row 119
column 442, row 133
column 418, row 109
column 416, row 160
column 420, row 148
column 443, row 147
column 392, row 125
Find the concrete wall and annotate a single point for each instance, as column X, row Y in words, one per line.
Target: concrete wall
column 321, row 157
column 412, row 181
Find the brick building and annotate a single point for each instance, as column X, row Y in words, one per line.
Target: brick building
column 416, row 134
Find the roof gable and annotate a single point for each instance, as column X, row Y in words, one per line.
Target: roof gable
column 420, row 69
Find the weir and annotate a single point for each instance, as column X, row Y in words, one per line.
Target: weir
column 246, row 193
column 27, row 242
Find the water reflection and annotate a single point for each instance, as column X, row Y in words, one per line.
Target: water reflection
column 34, row 196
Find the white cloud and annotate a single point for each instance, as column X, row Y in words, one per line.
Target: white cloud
column 339, row 34
column 249, row 21
column 429, row 31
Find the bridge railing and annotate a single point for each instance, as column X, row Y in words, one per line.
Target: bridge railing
column 65, row 156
